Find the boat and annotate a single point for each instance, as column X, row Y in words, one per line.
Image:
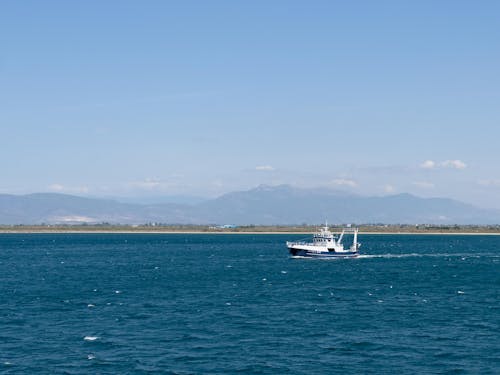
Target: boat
column 326, row 244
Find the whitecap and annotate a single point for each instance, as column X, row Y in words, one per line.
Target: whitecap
column 90, row 305
column 228, row 303
column 90, row 356
column 118, row 291
column 461, row 292
column 90, row 338
column 264, row 279
column 283, row 272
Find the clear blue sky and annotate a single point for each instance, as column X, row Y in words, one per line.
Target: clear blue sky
column 151, row 98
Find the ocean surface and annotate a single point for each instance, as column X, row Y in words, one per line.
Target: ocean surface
column 226, row 304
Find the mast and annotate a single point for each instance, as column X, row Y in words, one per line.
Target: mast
column 339, row 241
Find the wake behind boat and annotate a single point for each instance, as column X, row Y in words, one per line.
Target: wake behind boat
column 325, row 244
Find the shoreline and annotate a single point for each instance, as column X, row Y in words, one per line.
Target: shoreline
column 69, row 231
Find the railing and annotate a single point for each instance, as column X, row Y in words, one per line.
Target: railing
column 291, row 243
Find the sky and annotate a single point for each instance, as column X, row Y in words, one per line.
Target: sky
column 163, row 98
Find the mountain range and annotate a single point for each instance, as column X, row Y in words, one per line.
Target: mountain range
column 264, row 205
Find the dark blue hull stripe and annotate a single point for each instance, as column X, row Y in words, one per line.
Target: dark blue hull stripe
column 304, row 253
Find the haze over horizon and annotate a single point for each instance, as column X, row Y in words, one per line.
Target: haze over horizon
column 145, row 100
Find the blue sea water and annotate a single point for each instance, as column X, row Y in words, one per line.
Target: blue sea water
column 225, row 304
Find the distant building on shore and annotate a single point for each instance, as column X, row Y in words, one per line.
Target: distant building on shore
column 224, row 226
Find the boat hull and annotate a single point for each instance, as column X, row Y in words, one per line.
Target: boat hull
column 321, row 254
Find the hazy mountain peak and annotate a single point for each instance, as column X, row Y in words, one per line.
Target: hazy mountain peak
column 264, row 187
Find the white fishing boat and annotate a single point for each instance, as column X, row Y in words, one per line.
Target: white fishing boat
column 326, row 244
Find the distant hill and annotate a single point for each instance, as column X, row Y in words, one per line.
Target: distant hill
column 288, row 205
column 264, row 205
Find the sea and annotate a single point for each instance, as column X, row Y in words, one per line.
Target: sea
column 239, row 304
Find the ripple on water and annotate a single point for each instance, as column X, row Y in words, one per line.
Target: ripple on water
column 223, row 304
